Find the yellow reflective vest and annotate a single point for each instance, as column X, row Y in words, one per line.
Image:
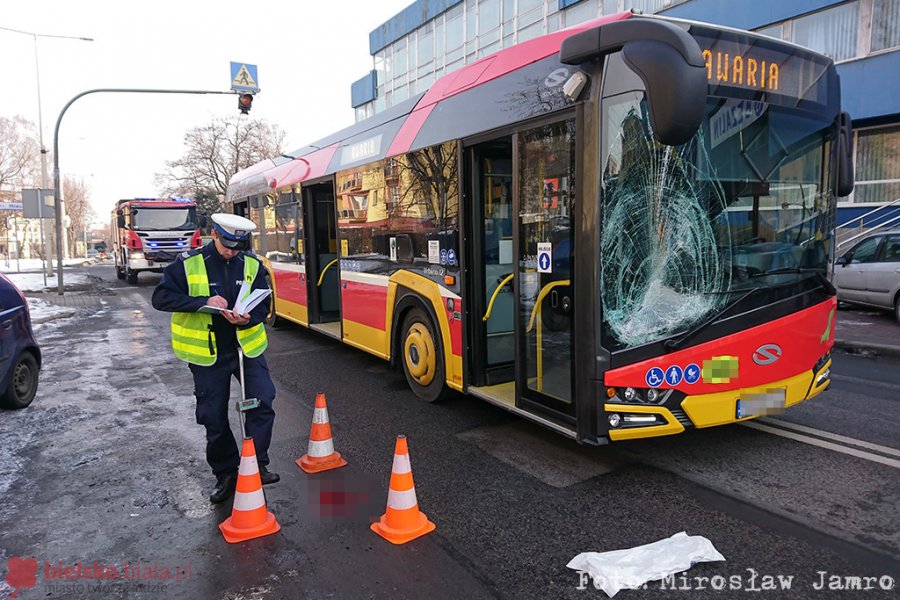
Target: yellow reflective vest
column 193, row 339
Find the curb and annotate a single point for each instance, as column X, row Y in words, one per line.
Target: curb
column 884, row 349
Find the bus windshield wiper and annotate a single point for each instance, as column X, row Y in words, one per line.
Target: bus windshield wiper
column 828, row 287
column 676, row 344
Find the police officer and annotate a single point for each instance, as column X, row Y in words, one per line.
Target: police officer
column 212, row 275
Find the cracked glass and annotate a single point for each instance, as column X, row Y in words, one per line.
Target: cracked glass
column 685, row 230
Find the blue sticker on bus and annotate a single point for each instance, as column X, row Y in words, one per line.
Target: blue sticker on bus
column 674, row 375
column 451, row 258
column 692, row 374
column 444, row 257
column 655, row 377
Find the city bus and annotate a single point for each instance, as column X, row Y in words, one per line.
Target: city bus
column 619, row 230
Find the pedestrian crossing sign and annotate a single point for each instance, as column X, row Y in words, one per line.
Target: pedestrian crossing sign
column 243, row 78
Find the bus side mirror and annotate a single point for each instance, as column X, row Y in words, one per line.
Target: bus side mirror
column 665, row 57
column 845, row 174
column 120, row 221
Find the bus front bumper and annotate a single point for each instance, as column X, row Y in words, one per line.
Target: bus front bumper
column 709, row 410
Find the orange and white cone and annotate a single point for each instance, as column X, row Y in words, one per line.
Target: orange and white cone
column 249, row 518
column 402, row 521
column 320, row 455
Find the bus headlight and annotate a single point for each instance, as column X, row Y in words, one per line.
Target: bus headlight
column 614, row 420
column 136, row 256
column 630, row 394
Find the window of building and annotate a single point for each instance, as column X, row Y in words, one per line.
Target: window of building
column 647, row 6
column 885, row 24
column 471, row 22
column 773, row 31
column 526, row 5
column 400, row 61
column 877, row 164
column 425, row 45
column 535, row 16
column 583, row 11
column 832, row 32
column 610, row 7
column 488, row 15
column 453, row 27
column 531, row 31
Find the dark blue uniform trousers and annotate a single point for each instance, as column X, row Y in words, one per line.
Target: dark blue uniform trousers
column 212, row 387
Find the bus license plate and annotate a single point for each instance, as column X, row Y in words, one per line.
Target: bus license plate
column 754, row 405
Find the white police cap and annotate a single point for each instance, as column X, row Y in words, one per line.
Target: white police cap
column 234, row 230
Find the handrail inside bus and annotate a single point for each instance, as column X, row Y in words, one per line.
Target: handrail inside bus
column 540, row 299
column 490, row 307
column 322, row 274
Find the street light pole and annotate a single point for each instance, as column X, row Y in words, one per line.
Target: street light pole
column 56, row 186
column 45, row 244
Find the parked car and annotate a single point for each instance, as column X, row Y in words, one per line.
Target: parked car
column 869, row 273
column 20, row 356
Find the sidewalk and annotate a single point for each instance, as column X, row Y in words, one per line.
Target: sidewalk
column 862, row 329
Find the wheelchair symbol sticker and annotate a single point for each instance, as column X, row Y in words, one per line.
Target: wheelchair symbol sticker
column 692, row 374
column 674, row 375
column 655, row 377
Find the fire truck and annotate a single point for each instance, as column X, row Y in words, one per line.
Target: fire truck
column 149, row 233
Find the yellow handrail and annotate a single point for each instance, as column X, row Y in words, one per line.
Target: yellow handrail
column 540, row 300
column 322, row 274
column 490, row 307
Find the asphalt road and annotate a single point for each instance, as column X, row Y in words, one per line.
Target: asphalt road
column 107, row 465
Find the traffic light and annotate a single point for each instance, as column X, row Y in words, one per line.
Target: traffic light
column 245, row 102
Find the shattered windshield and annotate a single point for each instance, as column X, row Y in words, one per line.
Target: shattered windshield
column 745, row 204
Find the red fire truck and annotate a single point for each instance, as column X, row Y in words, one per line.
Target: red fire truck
column 148, row 233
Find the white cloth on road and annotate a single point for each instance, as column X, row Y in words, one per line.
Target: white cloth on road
column 631, row 568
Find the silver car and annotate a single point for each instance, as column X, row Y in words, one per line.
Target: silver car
column 869, row 273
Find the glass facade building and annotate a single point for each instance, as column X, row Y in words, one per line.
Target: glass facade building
column 433, row 37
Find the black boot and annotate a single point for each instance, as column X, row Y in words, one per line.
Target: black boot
column 267, row 477
column 224, row 489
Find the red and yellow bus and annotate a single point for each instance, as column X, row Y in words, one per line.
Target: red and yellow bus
column 619, row 230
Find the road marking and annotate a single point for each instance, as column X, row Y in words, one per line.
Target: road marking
column 832, row 436
column 863, row 381
column 823, row 444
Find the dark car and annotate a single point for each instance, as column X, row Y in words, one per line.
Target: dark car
column 20, row 357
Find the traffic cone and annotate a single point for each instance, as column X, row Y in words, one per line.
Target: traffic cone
column 249, row 518
column 320, row 455
column 402, row 521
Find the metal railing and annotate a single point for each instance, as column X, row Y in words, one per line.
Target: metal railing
column 884, row 209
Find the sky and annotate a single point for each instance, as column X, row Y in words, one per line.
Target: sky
column 307, row 53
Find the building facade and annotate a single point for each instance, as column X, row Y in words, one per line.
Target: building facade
column 433, row 37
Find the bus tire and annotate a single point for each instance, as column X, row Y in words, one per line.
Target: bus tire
column 131, row 275
column 423, row 357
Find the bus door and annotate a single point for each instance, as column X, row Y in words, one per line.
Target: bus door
column 491, row 273
column 322, row 260
column 546, row 195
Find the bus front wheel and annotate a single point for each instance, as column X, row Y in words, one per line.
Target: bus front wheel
column 423, row 358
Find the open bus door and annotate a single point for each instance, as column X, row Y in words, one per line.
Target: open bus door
column 519, row 275
column 323, row 273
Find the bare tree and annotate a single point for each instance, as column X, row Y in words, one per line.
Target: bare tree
column 18, row 155
column 76, row 193
column 214, row 153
